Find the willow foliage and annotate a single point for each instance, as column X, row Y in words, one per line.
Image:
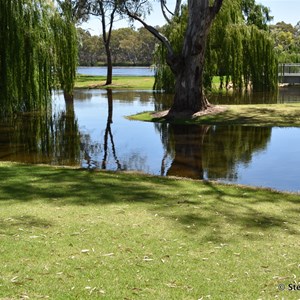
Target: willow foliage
column 164, row 78
column 30, row 54
column 238, row 53
column 65, row 45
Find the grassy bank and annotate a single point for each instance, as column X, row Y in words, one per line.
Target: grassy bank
column 120, row 82
column 254, row 115
column 73, row 234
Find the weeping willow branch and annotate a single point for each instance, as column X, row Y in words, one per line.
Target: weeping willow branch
column 37, row 50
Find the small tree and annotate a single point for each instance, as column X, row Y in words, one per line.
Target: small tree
column 107, row 11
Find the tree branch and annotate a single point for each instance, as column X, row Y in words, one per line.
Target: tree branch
column 112, row 15
column 177, row 8
column 163, row 6
column 154, row 32
column 165, row 9
column 215, row 8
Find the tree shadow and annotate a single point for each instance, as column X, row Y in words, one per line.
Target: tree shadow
column 190, row 205
column 22, row 223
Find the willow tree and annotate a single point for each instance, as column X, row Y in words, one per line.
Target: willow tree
column 241, row 50
column 188, row 64
column 65, row 46
column 32, row 60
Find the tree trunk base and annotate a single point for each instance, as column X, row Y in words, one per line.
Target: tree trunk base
column 169, row 115
column 175, row 113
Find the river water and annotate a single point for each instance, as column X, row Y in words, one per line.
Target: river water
column 92, row 132
column 117, row 71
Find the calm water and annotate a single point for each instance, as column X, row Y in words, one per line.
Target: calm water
column 117, row 71
column 92, row 132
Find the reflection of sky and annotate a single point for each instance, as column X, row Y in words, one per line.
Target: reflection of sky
column 137, row 143
column 279, row 166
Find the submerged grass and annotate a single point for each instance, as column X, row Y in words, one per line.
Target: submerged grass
column 74, row 234
column 253, row 115
column 119, row 82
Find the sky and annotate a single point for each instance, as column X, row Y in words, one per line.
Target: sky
column 282, row 10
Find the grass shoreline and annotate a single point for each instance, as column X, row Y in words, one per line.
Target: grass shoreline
column 105, row 235
column 280, row 115
column 119, row 82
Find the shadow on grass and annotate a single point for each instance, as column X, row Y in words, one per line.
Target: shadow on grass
column 194, row 204
column 22, row 222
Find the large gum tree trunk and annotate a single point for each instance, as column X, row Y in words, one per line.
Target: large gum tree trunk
column 189, row 96
column 188, row 67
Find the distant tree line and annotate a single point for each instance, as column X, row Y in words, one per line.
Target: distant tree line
column 287, row 42
column 128, row 47
column 137, row 47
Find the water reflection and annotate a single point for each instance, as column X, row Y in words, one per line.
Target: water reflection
column 41, row 137
column 282, row 95
column 90, row 130
column 187, row 144
column 213, row 152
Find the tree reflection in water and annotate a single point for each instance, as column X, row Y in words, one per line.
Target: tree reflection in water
column 92, row 149
column 41, row 137
column 228, row 146
column 108, row 133
column 211, row 152
column 188, row 149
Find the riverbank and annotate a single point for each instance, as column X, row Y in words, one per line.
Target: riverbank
column 283, row 115
column 123, row 236
column 119, row 82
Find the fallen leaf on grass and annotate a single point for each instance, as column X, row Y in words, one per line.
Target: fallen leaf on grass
column 14, row 279
column 146, row 258
column 93, row 289
column 171, row 284
column 108, row 254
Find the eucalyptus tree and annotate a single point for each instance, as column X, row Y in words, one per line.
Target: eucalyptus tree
column 35, row 53
column 237, row 50
column 108, row 13
column 90, row 48
column 287, row 41
column 187, row 64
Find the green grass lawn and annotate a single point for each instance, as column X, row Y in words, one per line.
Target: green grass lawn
column 119, row 82
column 73, row 234
column 252, row 115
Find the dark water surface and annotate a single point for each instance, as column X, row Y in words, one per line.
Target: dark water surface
column 92, row 132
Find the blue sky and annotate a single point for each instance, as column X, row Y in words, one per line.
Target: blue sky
column 282, row 10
